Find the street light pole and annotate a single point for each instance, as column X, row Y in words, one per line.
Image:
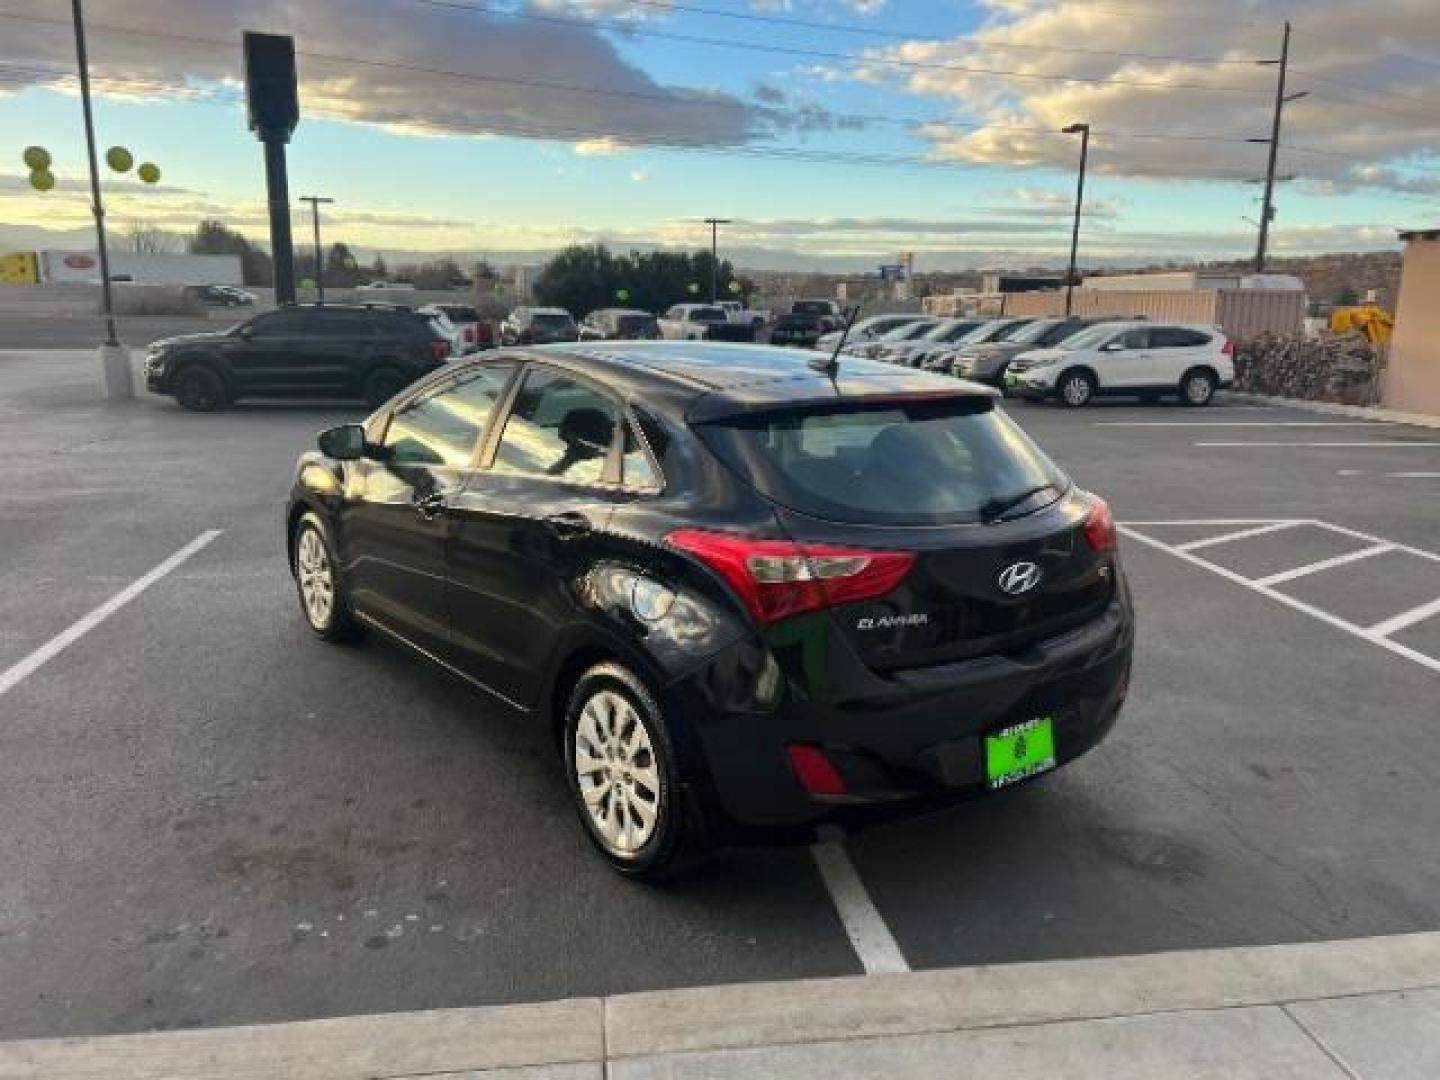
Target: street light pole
column 114, row 358
column 1083, row 130
column 315, row 201
column 715, row 224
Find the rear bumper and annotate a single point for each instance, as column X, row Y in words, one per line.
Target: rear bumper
column 906, row 743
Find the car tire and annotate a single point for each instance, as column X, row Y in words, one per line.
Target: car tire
column 323, row 600
column 1197, row 387
column 1075, row 388
column 199, row 388
column 622, row 771
column 382, row 384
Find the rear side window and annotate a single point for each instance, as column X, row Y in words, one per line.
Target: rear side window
column 443, row 425
column 560, row 428
column 918, row 463
column 1176, row 337
column 349, row 323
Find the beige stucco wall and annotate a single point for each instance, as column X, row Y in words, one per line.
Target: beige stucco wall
column 1412, row 379
column 1242, row 313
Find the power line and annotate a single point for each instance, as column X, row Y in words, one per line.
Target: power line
column 859, row 29
column 1366, row 88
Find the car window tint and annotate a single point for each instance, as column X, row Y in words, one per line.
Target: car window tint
column 1176, row 337
column 636, row 471
column 1139, row 338
column 342, row 322
column 280, row 322
column 558, row 427
column 442, row 425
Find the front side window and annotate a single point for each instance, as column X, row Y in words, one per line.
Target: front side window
column 276, row 323
column 442, row 426
column 1139, row 338
column 559, row 428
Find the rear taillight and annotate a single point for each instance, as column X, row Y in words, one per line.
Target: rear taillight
column 1228, row 349
column 439, row 350
column 816, row 773
column 1100, row 525
column 776, row 578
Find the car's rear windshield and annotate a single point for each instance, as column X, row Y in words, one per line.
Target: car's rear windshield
column 925, row 462
column 908, row 331
column 551, row 318
column 707, row 314
column 810, row 307
column 459, row 313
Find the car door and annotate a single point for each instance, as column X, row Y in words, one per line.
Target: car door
column 1123, row 361
column 526, row 529
column 396, row 524
column 260, row 356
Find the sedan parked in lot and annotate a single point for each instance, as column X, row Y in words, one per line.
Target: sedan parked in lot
column 1147, row 360
column 943, row 335
column 369, row 351
column 870, row 329
column 986, row 362
column 872, row 349
column 744, row 593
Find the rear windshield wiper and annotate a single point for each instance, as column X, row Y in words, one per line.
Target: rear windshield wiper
column 993, row 509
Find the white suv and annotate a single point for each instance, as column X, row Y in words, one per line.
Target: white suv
column 1145, row 359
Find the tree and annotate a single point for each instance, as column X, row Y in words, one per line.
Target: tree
column 378, row 270
column 215, row 238
column 341, row 270
column 583, row 278
column 148, row 240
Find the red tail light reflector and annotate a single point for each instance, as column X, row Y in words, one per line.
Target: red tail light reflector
column 439, row 350
column 777, row 578
column 1228, row 348
column 816, row 772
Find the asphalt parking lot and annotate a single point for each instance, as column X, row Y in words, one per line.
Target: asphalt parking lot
column 207, row 817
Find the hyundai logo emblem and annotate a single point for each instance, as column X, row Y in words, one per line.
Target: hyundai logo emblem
column 1018, row 578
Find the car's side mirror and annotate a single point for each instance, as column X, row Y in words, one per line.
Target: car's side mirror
column 247, row 332
column 343, row 443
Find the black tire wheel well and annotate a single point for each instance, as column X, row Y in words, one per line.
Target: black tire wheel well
column 567, row 675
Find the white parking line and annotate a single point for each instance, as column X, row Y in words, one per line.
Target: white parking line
column 1325, row 564
column 1368, row 634
column 869, row 936
column 12, row 676
column 1399, row 622
column 1243, row 534
column 1390, row 445
column 1415, row 475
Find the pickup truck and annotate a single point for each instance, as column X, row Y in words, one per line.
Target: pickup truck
column 702, row 322
column 736, row 312
column 806, row 321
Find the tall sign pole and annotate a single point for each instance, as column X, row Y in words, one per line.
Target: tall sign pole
column 273, row 105
column 114, row 357
column 715, row 223
column 315, row 201
column 1083, row 130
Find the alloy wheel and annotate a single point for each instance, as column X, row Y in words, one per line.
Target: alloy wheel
column 316, row 579
column 1076, row 390
column 1198, row 389
column 616, row 772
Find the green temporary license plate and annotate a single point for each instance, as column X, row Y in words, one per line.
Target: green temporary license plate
column 1019, row 751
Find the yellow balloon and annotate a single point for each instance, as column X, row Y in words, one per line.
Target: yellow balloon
column 42, row 179
column 37, row 158
column 119, row 159
column 149, row 173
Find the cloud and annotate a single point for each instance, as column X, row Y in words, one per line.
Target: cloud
column 639, row 175
column 1367, row 107
column 486, row 73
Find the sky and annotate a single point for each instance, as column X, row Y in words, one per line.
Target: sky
column 834, row 133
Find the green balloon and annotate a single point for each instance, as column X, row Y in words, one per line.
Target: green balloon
column 622, row 295
column 735, row 288
column 694, row 287
column 119, row 159
column 42, row 179
column 149, row 173
column 37, row 158
column 307, row 283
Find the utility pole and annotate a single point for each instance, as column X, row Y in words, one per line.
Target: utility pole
column 114, row 358
column 1083, row 130
column 715, row 223
column 315, row 201
column 1267, row 209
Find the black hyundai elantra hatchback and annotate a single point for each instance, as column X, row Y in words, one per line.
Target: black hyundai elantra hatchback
column 748, row 594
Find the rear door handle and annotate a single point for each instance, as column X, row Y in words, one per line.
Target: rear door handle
column 430, row 506
column 569, row 525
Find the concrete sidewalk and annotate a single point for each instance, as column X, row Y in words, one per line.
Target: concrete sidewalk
column 1366, row 1009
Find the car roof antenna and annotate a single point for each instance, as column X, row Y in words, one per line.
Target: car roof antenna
column 831, row 365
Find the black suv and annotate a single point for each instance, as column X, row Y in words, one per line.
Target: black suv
column 370, row 351
column 805, row 322
column 742, row 592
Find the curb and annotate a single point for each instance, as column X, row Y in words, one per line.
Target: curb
column 742, row 1016
column 1331, row 408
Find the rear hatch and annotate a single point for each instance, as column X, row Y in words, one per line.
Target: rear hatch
column 997, row 533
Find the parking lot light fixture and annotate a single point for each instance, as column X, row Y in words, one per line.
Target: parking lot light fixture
column 1083, row 130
